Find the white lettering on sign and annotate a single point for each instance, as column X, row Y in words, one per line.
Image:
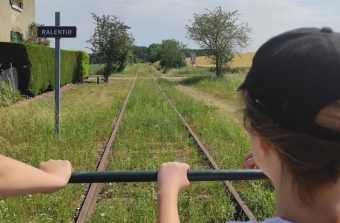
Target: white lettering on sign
column 58, row 32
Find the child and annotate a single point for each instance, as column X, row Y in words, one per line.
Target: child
column 18, row 178
column 292, row 115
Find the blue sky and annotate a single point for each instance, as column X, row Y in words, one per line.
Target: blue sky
column 151, row 21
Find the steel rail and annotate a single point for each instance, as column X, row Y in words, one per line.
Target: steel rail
column 151, row 176
column 203, row 148
column 94, row 188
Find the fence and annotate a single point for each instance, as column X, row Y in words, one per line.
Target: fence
column 10, row 76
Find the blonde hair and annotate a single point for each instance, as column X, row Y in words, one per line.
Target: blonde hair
column 329, row 117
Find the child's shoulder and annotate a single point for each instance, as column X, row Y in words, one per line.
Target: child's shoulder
column 269, row 220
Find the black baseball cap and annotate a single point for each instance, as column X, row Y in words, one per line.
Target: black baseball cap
column 294, row 76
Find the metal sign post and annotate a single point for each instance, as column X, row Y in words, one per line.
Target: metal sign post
column 193, row 58
column 57, row 77
column 57, row 32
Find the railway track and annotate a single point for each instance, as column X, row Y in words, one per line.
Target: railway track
column 91, row 197
column 235, row 196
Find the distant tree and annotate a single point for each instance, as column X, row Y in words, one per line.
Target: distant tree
column 140, row 53
column 154, row 52
column 220, row 34
column 111, row 43
column 172, row 54
column 32, row 36
column 94, row 59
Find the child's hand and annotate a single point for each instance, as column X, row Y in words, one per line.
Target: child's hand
column 60, row 169
column 249, row 161
column 172, row 177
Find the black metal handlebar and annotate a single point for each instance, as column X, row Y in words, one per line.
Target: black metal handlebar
column 151, row 176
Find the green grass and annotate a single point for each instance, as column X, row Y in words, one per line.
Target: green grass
column 152, row 134
column 228, row 143
column 27, row 134
column 144, row 70
column 8, row 96
column 189, row 71
column 225, row 87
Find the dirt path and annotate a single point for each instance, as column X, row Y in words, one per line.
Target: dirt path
column 209, row 99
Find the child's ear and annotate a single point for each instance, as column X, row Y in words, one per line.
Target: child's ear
column 265, row 147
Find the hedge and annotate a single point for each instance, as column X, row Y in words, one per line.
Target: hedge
column 35, row 66
column 84, row 61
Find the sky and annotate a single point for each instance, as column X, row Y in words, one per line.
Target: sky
column 152, row 21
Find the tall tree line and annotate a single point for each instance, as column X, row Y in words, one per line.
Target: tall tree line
column 149, row 54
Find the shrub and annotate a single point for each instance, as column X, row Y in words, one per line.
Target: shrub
column 83, row 61
column 172, row 54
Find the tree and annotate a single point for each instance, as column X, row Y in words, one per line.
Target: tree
column 32, row 36
column 172, row 54
column 154, row 52
column 111, row 43
column 220, row 34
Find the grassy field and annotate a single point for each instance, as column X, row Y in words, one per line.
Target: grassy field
column 240, row 60
column 189, row 71
column 224, row 88
column 151, row 134
column 27, row 134
column 144, row 70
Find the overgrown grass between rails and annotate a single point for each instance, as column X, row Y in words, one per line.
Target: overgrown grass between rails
column 27, row 134
column 151, row 134
column 8, row 96
column 228, row 144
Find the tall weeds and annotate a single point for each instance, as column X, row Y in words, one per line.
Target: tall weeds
column 8, row 96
